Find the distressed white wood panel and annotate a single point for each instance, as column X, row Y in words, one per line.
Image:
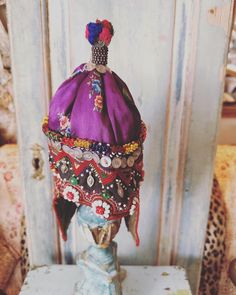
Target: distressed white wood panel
column 212, row 42
column 177, row 117
column 59, row 38
column 140, row 53
column 165, row 280
column 30, row 80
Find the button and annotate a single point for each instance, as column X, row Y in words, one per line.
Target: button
column 116, row 163
column 87, row 156
column 105, row 161
column 123, row 162
column 130, row 161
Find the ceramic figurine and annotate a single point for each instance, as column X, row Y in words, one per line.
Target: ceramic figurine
column 96, row 139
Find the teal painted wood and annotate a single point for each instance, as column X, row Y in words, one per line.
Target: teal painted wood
column 30, row 83
column 99, row 263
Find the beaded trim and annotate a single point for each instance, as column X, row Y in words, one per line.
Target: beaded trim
column 94, row 145
column 99, row 55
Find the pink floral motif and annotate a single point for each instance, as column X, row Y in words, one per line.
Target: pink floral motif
column 64, row 122
column 96, row 90
column 98, row 103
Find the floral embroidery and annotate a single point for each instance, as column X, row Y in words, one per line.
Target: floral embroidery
column 71, row 194
column 95, row 84
column 101, row 208
column 98, row 103
column 64, row 124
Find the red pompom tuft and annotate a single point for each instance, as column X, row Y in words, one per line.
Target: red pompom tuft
column 105, row 36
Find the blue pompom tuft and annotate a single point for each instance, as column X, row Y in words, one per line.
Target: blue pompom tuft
column 94, row 29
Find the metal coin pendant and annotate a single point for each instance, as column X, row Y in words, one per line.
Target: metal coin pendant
column 123, row 162
column 105, row 161
column 116, row 163
column 130, row 161
column 137, row 153
column 90, row 181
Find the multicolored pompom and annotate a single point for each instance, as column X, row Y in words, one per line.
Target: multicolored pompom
column 101, row 31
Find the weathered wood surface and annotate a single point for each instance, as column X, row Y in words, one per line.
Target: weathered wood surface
column 171, row 55
column 60, row 280
column 207, row 91
column 30, row 95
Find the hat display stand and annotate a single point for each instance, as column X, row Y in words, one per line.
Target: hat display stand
column 99, row 262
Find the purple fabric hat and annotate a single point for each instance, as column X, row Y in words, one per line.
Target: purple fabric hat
column 96, row 140
column 98, row 106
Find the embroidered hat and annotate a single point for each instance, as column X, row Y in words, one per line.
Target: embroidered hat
column 96, row 140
